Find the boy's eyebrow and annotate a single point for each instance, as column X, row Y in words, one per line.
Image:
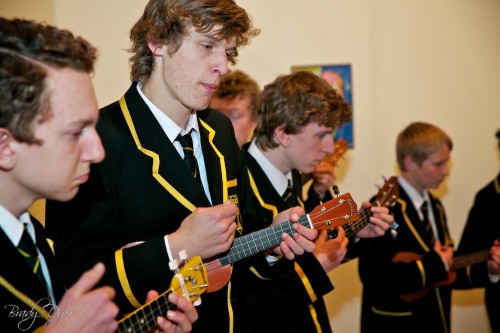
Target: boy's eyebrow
column 210, row 35
column 81, row 122
column 213, row 36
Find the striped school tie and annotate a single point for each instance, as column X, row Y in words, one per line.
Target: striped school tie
column 186, row 142
column 28, row 250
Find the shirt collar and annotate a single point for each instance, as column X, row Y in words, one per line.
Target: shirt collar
column 13, row 227
column 416, row 198
column 170, row 128
column 278, row 179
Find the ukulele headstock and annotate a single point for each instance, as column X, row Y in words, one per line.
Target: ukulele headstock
column 335, row 212
column 387, row 196
column 190, row 278
column 388, row 193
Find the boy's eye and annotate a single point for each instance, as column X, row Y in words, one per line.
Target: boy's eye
column 206, row 46
column 76, row 132
column 231, row 53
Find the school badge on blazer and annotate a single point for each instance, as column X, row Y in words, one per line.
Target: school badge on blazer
column 239, row 226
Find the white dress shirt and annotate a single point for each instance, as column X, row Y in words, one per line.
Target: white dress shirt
column 14, row 229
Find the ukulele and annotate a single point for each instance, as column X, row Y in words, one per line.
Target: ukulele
column 458, row 263
column 190, row 281
column 341, row 147
column 386, row 196
column 328, row 215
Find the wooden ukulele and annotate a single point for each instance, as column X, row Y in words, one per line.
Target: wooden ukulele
column 328, row 215
column 341, row 147
column 386, row 196
column 458, row 263
column 189, row 281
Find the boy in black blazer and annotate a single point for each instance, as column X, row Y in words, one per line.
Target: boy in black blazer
column 47, row 143
column 44, row 74
column 480, row 232
column 406, row 285
column 142, row 205
column 296, row 117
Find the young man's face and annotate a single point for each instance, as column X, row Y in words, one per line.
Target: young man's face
column 190, row 76
column 238, row 110
column 433, row 170
column 308, row 148
column 57, row 167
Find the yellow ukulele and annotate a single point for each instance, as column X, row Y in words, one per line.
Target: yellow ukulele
column 190, row 281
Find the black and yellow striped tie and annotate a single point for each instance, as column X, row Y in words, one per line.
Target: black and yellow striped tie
column 28, row 250
column 186, row 142
column 427, row 224
column 289, row 196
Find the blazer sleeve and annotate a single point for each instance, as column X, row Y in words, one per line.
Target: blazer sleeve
column 478, row 235
column 84, row 233
column 378, row 270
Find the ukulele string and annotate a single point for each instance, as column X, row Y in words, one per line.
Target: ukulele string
column 260, row 240
column 140, row 318
column 364, row 219
column 320, row 213
column 254, row 242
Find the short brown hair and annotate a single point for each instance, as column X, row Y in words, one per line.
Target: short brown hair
column 294, row 101
column 238, row 83
column 419, row 140
column 167, row 22
column 26, row 48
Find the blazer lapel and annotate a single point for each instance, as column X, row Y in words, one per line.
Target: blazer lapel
column 263, row 190
column 412, row 220
column 17, row 271
column 56, row 277
column 440, row 220
column 214, row 162
column 167, row 166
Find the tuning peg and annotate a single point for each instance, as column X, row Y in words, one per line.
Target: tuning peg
column 332, row 233
column 197, row 301
column 384, row 178
column 336, row 190
column 173, row 265
column 183, row 255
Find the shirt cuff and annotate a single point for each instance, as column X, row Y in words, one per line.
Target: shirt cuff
column 167, row 245
column 271, row 260
column 494, row 278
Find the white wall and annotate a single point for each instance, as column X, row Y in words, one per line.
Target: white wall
column 434, row 61
column 427, row 60
column 41, row 10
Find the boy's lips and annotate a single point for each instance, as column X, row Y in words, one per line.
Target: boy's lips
column 83, row 178
column 211, row 88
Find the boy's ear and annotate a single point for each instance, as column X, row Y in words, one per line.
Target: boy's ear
column 156, row 48
column 7, row 153
column 282, row 137
column 409, row 163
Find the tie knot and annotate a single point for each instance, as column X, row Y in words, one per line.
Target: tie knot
column 288, row 196
column 27, row 245
column 424, row 209
column 426, row 223
column 186, row 141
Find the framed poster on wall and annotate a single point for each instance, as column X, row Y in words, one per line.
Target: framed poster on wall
column 339, row 77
